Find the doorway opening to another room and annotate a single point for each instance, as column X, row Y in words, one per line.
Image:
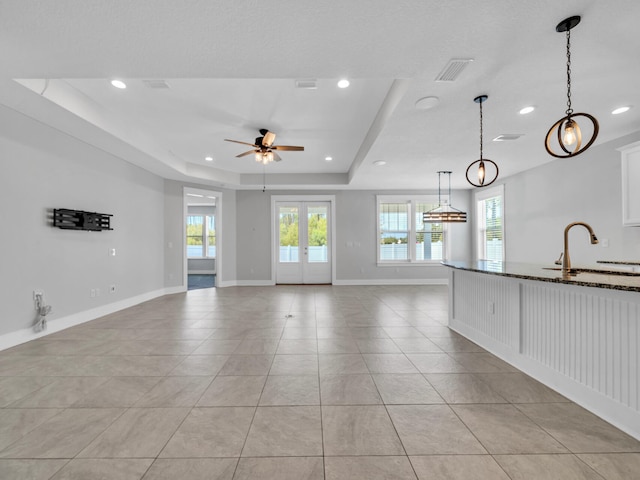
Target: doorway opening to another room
column 202, row 238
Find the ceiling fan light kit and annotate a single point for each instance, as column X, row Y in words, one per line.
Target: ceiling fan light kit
column 567, row 131
column 263, row 148
column 482, row 162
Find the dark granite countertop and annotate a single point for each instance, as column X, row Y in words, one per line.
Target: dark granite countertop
column 599, row 277
column 619, row 262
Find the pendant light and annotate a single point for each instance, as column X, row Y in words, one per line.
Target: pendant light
column 482, row 162
column 444, row 213
column 568, row 133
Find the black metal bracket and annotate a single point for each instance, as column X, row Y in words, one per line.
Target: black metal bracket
column 81, row 220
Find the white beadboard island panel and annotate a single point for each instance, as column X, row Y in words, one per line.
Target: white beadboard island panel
column 582, row 341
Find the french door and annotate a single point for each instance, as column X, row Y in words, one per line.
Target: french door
column 303, row 240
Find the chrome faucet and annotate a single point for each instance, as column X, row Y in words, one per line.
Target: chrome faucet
column 566, row 261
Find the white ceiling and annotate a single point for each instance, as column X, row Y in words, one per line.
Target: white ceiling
column 231, row 69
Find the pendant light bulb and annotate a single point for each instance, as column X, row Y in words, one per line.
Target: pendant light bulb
column 571, row 130
column 481, row 173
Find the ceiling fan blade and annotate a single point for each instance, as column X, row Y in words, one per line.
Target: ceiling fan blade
column 268, row 139
column 276, row 157
column 246, row 153
column 243, row 143
column 289, row 148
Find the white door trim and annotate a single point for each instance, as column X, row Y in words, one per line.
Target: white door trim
column 274, row 234
column 219, row 232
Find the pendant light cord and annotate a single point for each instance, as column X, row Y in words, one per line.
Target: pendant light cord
column 481, row 131
column 569, row 109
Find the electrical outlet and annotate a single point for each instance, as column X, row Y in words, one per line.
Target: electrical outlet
column 604, row 242
column 97, row 292
column 112, row 289
column 112, row 252
column 36, row 293
column 92, row 293
column 491, row 308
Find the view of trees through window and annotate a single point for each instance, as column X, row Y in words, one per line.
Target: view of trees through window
column 201, row 236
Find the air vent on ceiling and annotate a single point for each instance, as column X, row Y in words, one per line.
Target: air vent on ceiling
column 156, row 83
column 507, row 137
column 307, row 84
column 453, row 69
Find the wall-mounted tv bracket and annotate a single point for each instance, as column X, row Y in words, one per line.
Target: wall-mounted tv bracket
column 81, row 220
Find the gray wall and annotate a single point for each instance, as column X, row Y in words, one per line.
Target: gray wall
column 540, row 202
column 174, row 228
column 44, row 169
column 355, row 222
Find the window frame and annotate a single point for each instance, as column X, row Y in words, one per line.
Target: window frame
column 480, row 198
column 412, row 201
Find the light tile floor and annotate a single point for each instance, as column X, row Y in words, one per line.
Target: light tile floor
column 289, row 383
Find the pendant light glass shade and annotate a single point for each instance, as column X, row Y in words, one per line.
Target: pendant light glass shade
column 566, row 134
column 482, row 162
column 444, row 213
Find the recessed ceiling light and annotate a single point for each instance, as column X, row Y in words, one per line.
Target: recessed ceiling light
column 621, row 110
column 525, row 110
column 426, row 103
column 328, row 159
column 209, row 159
column 379, row 163
column 118, row 84
column 344, row 83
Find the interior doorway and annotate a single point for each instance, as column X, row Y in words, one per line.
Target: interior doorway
column 303, row 241
column 202, row 238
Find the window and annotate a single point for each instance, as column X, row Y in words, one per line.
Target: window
column 490, row 224
column 402, row 236
column 201, row 236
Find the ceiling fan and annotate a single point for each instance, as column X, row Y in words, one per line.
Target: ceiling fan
column 264, row 147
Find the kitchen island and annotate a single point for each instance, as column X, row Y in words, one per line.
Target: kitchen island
column 578, row 334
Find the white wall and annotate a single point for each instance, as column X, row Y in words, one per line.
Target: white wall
column 540, row 202
column 44, row 169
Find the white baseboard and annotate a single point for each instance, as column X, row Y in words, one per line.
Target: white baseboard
column 398, row 281
column 18, row 337
column 363, row 282
column 247, row 283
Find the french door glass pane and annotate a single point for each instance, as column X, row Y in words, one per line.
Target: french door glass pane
column 317, row 234
column 289, row 242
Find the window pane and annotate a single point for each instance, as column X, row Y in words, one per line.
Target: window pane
column 394, row 216
column 393, row 246
column 317, row 234
column 493, row 229
column 195, row 229
column 211, row 236
column 288, row 220
column 429, row 242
